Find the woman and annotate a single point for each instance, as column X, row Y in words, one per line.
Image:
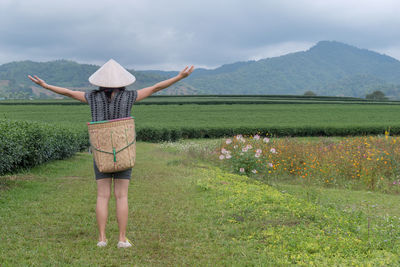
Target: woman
column 112, row 101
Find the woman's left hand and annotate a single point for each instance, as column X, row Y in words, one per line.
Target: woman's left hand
column 185, row 72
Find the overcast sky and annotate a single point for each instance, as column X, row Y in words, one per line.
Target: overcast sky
column 169, row 34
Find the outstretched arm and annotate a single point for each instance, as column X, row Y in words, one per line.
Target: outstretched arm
column 78, row 95
column 148, row 91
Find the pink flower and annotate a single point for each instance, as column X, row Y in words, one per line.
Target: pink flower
column 228, row 156
column 241, row 169
column 228, row 141
column 256, row 137
column 254, row 171
column 273, row 151
column 257, row 155
column 239, row 136
column 266, row 140
column 270, row 165
column 259, row 151
column 249, row 147
column 224, row 151
column 221, row 157
column 244, row 149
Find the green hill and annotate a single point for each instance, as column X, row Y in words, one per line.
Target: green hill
column 14, row 83
column 328, row 68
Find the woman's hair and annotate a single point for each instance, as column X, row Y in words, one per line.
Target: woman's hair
column 108, row 91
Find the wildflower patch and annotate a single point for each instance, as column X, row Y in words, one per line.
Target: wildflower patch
column 364, row 162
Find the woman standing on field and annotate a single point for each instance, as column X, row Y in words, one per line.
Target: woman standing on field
column 112, row 101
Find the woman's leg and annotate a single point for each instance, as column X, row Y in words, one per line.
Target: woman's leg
column 121, row 197
column 103, row 196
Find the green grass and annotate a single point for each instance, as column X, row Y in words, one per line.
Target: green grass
column 200, row 116
column 187, row 212
column 375, row 203
column 172, row 122
column 77, row 116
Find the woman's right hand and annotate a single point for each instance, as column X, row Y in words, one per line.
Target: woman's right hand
column 38, row 81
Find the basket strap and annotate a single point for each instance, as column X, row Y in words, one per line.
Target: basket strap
column 114, row 152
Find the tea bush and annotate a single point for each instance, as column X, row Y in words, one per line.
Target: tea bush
column 153, row 134
column 172, row 122
column 25, row 144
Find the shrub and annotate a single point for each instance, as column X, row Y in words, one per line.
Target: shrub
column 309, row 93
column 26, row 144
column 172, row 134
column 376, row 95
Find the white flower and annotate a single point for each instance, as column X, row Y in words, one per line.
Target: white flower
column 228, row 141
column 273, row 151
column 241, row 169
column 270, row 165
column 224, row 151
column 221, row 157
column 244, row 149
column 266, row 140
column 239, row 136
column 257, row 155
column 228, row 156
column 259, row 151
column 235, row 146
column 249, row 147
column 256, row 137
column 254, row 171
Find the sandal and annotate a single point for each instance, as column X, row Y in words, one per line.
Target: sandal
column 125, row 244
column 102, row 243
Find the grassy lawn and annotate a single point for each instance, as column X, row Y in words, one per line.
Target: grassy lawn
column 187, row 212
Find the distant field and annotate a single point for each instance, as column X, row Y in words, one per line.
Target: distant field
column 221, row 115
column 198, row 121
column 221, row 99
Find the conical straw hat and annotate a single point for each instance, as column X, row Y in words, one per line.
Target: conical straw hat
column 112, row 75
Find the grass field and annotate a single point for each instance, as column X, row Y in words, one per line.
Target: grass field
column 201, row 116
column 220, row 99
column 185, row 212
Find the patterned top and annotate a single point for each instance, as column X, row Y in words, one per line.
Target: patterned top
column 119, row 107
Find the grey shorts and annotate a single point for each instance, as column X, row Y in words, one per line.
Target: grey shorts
column 116, row 175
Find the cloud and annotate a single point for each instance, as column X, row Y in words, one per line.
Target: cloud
column 162, row 34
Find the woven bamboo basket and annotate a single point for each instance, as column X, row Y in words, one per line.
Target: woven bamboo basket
column 113, row 144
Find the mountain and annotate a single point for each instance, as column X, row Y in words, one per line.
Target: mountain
column 14, row 83
column 328, row 68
